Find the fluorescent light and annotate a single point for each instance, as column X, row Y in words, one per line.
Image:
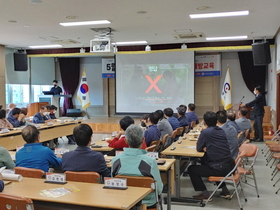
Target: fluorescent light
column 130, row 43
column 226, row 38
column 96, row 22
column 45, row 46
column 220, row 14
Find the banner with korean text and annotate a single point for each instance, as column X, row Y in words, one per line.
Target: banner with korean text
column 207, row 65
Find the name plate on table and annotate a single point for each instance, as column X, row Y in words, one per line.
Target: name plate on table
column 60, row 151
column 55, row 178
column 115, row 183
column 5, row 130
column 50, row 123
column 153, row 154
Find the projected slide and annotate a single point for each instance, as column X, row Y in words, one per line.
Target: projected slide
column 147, row 82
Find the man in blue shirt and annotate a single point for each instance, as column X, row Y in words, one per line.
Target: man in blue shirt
column 134, row 162
column 181, row 111
column 152, row 133
column 1, row 183
column 191, row 115
column 83, row 158
column 34, row 154
column 11, row 106
column 213, row 142
column 174, row 122
column 17, row 119
column 40, row 117
column 243, row 123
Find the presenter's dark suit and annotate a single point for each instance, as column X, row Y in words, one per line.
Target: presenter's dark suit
column 258, row 104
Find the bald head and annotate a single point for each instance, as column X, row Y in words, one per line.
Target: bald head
column 30, row 134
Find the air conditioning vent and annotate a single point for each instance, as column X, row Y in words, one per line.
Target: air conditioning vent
column 65, row 42
column 191, row 35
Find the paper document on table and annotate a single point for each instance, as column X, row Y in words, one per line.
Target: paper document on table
column 189, row 147
column 57, row 192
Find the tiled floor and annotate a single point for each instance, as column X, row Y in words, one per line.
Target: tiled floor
column 268, row 200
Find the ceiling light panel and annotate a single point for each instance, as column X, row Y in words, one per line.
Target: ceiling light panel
column 220, row 14
column 45, row 46
column 226, row 38
column 131, row 43
column 84, row 23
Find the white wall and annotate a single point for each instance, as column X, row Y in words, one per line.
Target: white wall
column 271, row 81
column 239, row 88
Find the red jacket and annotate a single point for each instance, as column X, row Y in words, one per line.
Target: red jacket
column 120, row 143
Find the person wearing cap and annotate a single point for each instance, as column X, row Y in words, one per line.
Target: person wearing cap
column 11, row 106
column 4, row 123
column 56, row 89
column 17, row 118
column 183, row 120
column 135, row 162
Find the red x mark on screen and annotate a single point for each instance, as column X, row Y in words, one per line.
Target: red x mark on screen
column 153, row 84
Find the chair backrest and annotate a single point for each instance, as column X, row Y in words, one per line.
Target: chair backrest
column 186, row 129
column 240, row 136
column 29, row 172
column 179, row 131
column 247, row 134
column 84, row 176
column 151, row 148
column 173, row 135
column 139, row 181
column 250, row 149
column 8, row 201
column 164, row 139
column 192, row 124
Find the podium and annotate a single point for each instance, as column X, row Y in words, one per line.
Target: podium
column 53, row 100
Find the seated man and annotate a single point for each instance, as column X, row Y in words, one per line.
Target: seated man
column 53, row 110
column 119, row 141
column 17, row 118
column 34, row 154
column 213, row 142
column 4, row 123
column 134, row 162
column 163, row 125
column 243, row 123
column 230, row 132
column 191, row 115
column 174, row 122
column 183, row 120
column 152, row 133
column 83, row 158
column 40, row 117
column 6, row 159
column 231, row 121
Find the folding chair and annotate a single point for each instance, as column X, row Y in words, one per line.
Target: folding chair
column 232, row 178
column 84, row 176
column 250, row 150
column 193, row 123
column 269, row 140
column 8, row 201
column 29, row 172
column 141, row 181
column 179, row 131
column 278, row 168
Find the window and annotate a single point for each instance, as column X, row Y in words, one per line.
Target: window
column 19, row 94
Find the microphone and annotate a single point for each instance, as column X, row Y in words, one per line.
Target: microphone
column 240, row 102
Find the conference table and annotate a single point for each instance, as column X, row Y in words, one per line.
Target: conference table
column 183, row 148
column 13, row 138
column 90, row 196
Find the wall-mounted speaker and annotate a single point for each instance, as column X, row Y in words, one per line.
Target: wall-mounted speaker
column 261, row 53
column 20, row 62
